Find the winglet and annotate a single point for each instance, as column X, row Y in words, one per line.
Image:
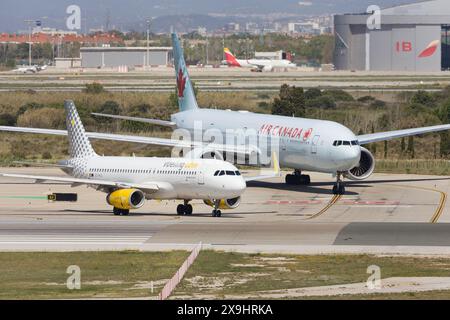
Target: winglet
column 276, row 164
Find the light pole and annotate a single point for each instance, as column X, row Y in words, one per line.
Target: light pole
column 148, row 42
column 29, row 40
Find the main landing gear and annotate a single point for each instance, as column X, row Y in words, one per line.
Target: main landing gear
column 184, row 209
column 339, row 187
column 297, row 178
column 216, row 212
column 120, row 212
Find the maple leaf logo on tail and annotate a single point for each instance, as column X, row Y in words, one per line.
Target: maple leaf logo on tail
column 181, row 83
column 430, row 49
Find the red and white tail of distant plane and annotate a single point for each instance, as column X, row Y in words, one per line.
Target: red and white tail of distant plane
column 257, row 64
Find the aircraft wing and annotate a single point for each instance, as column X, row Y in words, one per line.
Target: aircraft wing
column 150, row 187
column 144, row 140
column 145, row 120
column 258, row 66
column 275, row 172
column 389, row 135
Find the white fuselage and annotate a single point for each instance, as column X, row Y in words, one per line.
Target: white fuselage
column 176, row 178
column 304, row 144
column 255, row 63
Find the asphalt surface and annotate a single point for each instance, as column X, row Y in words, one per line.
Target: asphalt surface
column 404, row 214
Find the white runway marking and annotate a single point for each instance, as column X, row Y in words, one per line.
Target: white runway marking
column 72, row 239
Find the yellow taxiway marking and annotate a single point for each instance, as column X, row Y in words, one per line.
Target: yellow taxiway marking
column 333, row 200
column 442, row 201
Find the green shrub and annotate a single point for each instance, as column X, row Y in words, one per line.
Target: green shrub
column 7, row 119
column 324, row 102
column 339, row 95
column 378, row 104
column 423, row 98
column 365, row 99
column 94, row 88
column 312, row 93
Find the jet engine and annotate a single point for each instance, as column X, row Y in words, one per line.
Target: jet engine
column 126, row 199
column 268, row 68
column 225, row 203
column 365, row 167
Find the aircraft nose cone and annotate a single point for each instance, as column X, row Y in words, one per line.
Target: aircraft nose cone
column 241, row 185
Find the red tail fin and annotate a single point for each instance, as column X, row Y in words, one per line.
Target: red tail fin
column 231, row 60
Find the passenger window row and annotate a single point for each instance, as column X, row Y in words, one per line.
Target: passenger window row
column 226, row 172
column 337, row 143
column 144, row 171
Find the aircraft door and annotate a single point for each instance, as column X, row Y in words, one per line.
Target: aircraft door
column 314, row 143
column 201, row 178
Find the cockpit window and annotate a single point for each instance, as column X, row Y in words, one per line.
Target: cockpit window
column 337, row 143
column 222, row 173
column 216, row 173
column 237, row 173
column 230, row 173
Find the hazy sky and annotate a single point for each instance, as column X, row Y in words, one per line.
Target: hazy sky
column 127, row 12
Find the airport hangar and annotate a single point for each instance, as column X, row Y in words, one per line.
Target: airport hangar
column 110, row 57
column 411, row 37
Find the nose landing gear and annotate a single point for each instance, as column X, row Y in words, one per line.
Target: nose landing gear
column 216, row 212
column 298, row 178
column 185, row 209
column 339, row 187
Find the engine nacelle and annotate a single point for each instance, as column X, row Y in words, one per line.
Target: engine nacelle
column 365, row 167
column 268, row 68
column 126, row 199
column 225, row 203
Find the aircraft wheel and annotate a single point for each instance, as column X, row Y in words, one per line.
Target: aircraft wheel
column 339, row 188
column 116, row 211
column 180, row 209
column 188, row 210
column 216, row 213
column 124, row 212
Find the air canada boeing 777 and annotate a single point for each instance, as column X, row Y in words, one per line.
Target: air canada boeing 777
column 303, row 144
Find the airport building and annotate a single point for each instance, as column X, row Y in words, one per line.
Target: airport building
column 110, row 57
column 411, row 37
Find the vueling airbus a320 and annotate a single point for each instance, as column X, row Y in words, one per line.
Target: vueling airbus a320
column 129, row 181
column 304, row 144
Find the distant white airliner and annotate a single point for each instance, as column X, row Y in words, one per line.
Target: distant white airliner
column 257, row 64
column 30, row 69
column 304, row 144
column 129, row 181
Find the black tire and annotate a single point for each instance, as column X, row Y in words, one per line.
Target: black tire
column 180, row 209
column 219, row 213
column 289, row 179
column 116, row 211
column 124, row 212
column 305, row 179
column 341, row 189
column 188, row 210
column 214, row 213
column 335, row 189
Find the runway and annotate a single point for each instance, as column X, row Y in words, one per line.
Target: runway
column 395, row 214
